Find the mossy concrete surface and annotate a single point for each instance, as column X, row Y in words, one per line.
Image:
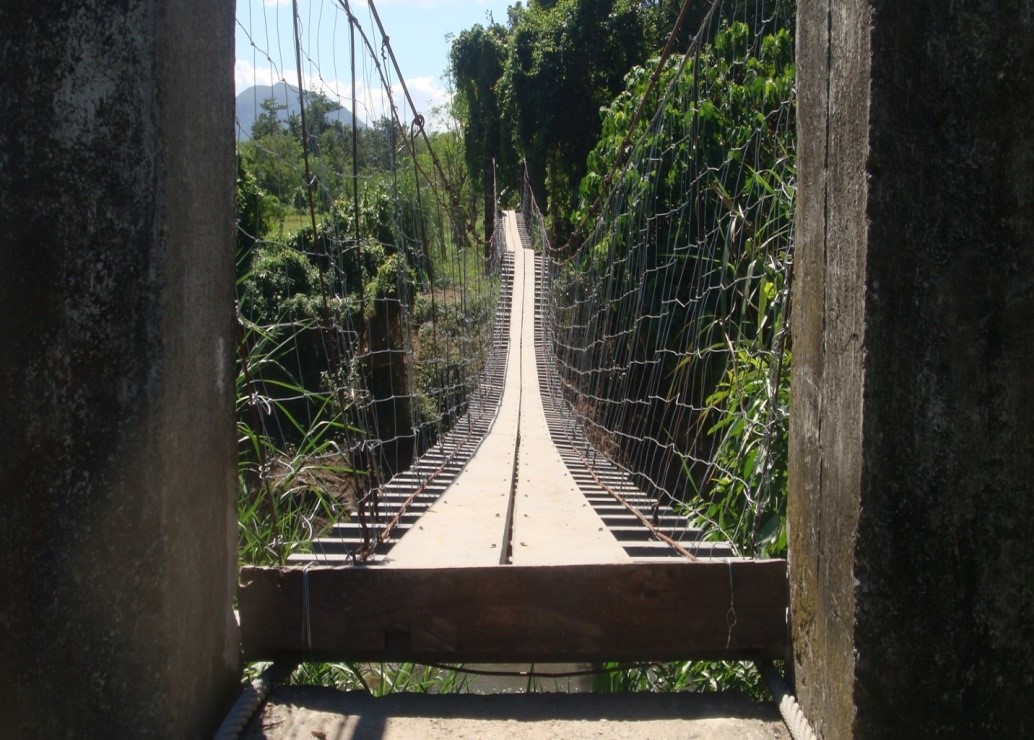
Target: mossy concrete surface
column 911, row 558
column 117, row 537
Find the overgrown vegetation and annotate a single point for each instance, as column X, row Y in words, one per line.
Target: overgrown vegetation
column 684, row 676
column 708, row 227
column 556, row 87
column 331, row 280
column 529, row 90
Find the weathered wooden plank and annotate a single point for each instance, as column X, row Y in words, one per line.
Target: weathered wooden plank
column 635, row 611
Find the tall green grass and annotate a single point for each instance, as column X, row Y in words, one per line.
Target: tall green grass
column 286, row 493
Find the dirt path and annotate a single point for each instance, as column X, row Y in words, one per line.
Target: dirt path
column 304, row 713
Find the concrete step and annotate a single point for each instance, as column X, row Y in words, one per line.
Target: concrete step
column 308, row 711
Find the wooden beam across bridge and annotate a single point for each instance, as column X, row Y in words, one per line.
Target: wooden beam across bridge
column 733, row 609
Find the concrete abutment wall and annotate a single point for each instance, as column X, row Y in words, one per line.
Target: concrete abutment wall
column 117, row 464
column 912, row 563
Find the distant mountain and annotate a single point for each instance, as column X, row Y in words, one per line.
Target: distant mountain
column 249, row 106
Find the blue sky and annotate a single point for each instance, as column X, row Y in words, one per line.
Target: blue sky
column 417, row 29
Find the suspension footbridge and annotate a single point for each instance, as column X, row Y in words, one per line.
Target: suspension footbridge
column 514, row 445
column 619, row 398
column 513, row 482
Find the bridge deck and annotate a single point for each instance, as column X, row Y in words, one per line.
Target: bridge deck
column 515, row 481
column 515, row 501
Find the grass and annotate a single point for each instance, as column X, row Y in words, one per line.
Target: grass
column 698, row 676
column 287, row 494
column 290, row 223
column 383, row 679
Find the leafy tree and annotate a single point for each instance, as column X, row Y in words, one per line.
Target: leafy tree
column 318, row 118
column 294, row 126
column 533, row 89
column 377, row 142
column 567, row 59
column 276, row 162
column 318, row 110
column 251, row 217
column 477, row 59
column 268, row 122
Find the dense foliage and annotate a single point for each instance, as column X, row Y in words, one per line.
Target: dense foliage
column 342, row 279
column 684, row 216
column 700, row 219
column 529, row 92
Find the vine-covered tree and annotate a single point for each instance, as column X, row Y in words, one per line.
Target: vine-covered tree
column 478, row 58
column 534, row 89
column 714, row 202
column 568, row 59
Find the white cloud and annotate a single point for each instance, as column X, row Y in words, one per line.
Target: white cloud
column 431, row 100
column 246, row 74
column 429, row 4
column 372, row 103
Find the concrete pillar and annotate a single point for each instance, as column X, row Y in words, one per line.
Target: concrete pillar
column 117, row 467
column 911, row 555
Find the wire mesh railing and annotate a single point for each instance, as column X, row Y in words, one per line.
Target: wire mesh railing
column 668, row 315
column 365, row 304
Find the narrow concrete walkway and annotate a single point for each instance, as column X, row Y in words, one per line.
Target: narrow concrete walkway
column 516, row 500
